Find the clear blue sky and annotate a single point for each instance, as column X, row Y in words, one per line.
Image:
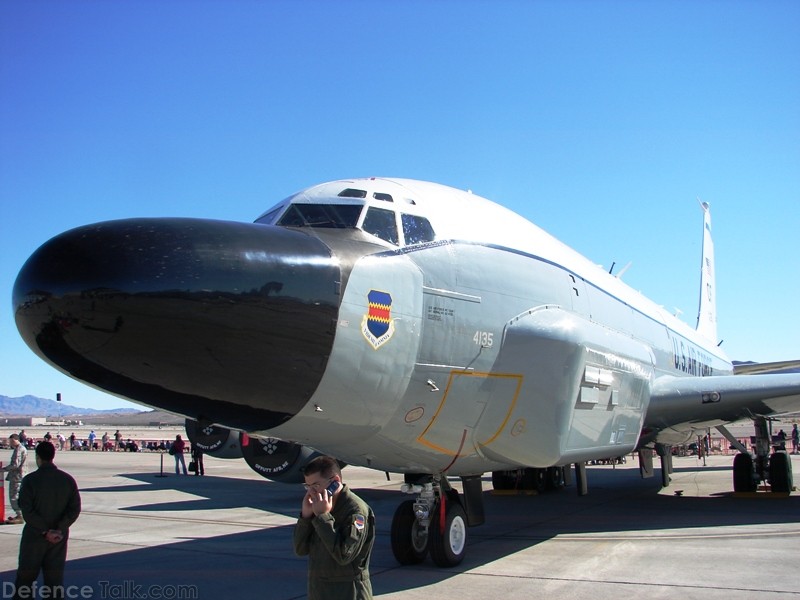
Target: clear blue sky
column 602, row 122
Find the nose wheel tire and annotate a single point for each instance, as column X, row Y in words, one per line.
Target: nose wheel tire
column 409, row 538
column 448, row 547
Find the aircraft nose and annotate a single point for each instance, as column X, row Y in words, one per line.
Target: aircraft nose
column 226, row 321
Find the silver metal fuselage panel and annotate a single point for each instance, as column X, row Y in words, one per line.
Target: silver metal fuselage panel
column 495, row 359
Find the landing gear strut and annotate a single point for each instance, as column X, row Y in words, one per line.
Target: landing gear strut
column 436, row 522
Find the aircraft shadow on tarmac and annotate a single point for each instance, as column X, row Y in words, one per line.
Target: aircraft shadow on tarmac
column 209, row 493
column 261, row 562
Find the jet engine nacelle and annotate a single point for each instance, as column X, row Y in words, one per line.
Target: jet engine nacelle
column 216, row 441
column 275, row 459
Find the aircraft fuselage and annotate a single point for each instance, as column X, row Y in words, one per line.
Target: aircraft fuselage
column 495, row 357
column 488, row 346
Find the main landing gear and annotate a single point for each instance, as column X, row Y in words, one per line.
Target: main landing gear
column 436, row 522
column 770, row 462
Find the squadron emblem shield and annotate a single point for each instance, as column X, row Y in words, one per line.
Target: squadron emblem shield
column 378, row 325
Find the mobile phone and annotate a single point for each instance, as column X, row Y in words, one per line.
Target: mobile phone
column 331, row 489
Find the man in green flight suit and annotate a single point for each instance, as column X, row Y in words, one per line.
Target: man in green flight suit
column 336, row 530
column 50, row 503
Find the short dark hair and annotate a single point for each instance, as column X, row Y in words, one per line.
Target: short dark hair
column 46, row 451
column 14, row 436
column 327, row 466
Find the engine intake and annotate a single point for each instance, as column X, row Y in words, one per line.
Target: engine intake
column 216, row 441
column 275, row 459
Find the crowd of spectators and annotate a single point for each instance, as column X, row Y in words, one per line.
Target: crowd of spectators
column 93, row 443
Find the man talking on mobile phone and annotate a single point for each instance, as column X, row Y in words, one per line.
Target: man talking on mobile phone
column 336, row 530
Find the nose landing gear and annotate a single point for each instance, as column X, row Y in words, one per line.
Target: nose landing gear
column 435, row 522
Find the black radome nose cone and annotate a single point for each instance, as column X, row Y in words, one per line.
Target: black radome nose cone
column 231, row 321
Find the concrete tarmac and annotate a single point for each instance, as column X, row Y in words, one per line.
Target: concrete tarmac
column 228, row 535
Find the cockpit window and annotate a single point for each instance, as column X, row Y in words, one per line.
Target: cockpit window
column 345, row 214
column 380, row 222
column 321, row 215
column 353, row 193
column 417, row 229
column 269, row 217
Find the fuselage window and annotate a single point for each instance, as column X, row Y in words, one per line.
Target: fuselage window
column 321, row 215
column 380, row 222
column 417, row 229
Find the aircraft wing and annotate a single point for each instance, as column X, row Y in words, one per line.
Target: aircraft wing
column 751, row 368
column 683, row 404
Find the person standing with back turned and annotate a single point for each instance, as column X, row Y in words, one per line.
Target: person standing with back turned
column 177, row 448
column 336, row 530
column 50, row 503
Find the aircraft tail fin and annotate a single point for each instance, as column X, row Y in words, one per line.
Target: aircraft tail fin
column 707, row 311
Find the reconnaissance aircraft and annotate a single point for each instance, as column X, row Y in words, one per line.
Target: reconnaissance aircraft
column 399, row 325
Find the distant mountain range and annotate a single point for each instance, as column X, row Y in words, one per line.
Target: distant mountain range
column 31, row 406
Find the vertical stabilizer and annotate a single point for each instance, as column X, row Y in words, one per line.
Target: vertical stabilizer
column 707, row 311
